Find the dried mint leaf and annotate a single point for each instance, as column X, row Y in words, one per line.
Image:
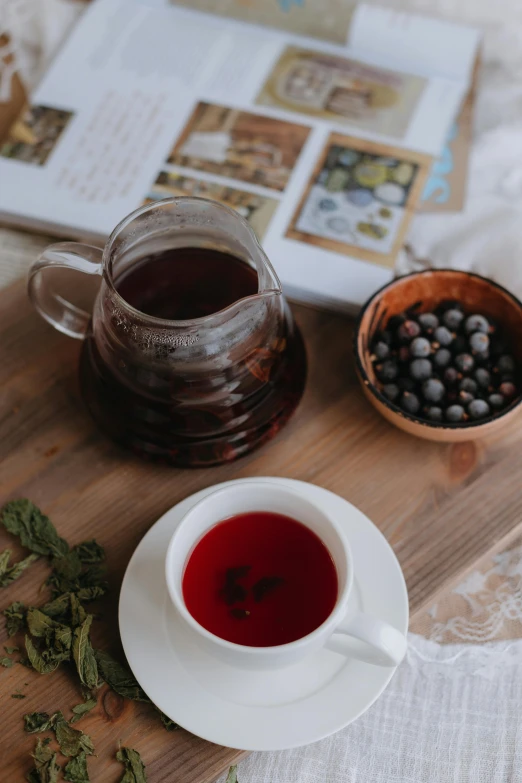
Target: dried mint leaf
column 46, row 768
column 134, row 766
column 35, row 722
column 44, row 662
column 83, row 654
column 76, row 770
column 168, row 723
column 18, row 695
column 90, row 552
column 65, row 574
column 119, row 678
column 91, row 593
column 71, row 741
column 6, row 662
column 11, row 650
column 36, row 531
column 15, row 617
column 10, row 574
column 232, row 775
column 82, row 709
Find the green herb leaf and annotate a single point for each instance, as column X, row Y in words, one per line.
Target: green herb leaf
column 46, row 769
column 40, row 663
column 6, row 662
column 134, row 766
column 11, row 650
column 65, row 573
column 91, row 593
column 9, row 574
column 82, row 709
column 90, row 552
column 78, row 613
column 35, row 722
column 83, row 654
column 18, row 695
column 76, row 770
column 71, row 741
column 232, row 775
column 168, row 723
column 15, row 617
column 119, row 678
column 36, row 531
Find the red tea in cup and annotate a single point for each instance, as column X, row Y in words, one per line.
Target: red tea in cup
column 260, row 579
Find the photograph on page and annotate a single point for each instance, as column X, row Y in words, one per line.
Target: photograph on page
column 35, row 134
column 240, row 145
column 258, row 210
column 360, row 199
column 343, row 90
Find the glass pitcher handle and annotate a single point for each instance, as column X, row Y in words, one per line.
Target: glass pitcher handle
column 63, row 315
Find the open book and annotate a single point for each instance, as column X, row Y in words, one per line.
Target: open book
column 323, row 147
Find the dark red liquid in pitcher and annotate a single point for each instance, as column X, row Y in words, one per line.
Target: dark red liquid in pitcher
column 260, row 579
column 163, row 408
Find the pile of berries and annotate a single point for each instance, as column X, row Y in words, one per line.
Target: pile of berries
column 447, row 365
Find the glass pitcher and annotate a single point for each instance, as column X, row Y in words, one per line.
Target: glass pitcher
column 196, row 391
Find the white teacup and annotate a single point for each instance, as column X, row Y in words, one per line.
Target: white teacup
column 374, row 640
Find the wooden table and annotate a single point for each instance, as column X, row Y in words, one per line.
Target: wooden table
column 441, row 507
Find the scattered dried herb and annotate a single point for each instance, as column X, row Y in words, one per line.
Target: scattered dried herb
column 36, row 722
column 10, row 650
column 134, row 766
column 240, row 614
column 71, row 741
column 82, row 709
column 46, row 768
column 41, row 664
column 76, row 770
column 232, row 775
column 265, row 586
column 8, row 573
column 35, row 531
column 90, row 552
column 168, row 723
column 119, row 678
column 6, row 662
column 83, row 654
column 15, row 617
column 18, row 695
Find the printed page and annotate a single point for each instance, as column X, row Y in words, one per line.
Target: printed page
column 423, row 44
column 320, row 151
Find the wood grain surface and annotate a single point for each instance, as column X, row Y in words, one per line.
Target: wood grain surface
column 440, row 506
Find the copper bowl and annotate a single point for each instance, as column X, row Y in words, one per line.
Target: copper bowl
column 427, row 290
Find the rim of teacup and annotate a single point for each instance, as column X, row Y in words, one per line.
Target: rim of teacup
column 176, row 596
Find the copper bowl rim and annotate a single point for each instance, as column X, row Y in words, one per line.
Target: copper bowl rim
column 363, row 376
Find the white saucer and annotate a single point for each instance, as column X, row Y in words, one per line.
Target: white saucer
column 245, row 709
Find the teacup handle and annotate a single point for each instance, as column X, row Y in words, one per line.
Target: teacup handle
column 370, row 639
column 60, row 313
